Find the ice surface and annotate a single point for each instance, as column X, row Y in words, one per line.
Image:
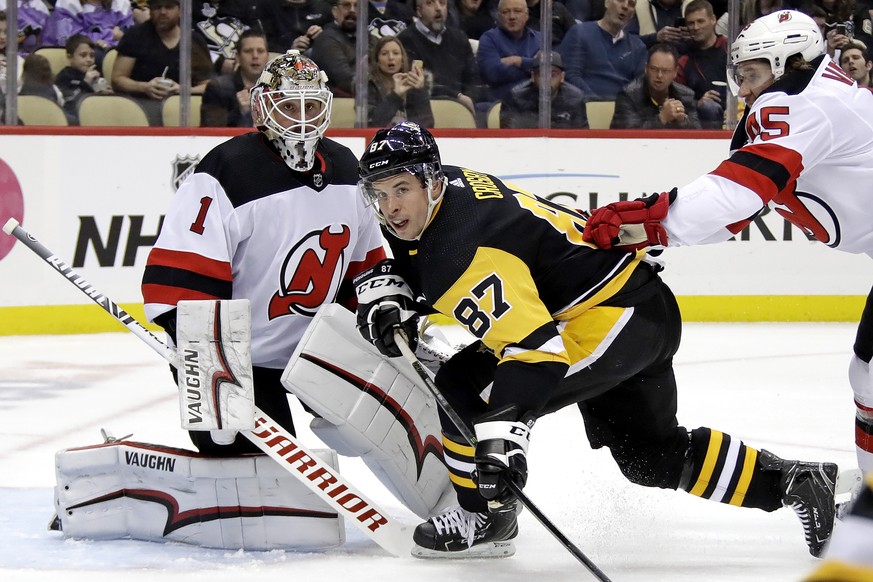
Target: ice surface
column 778, row 386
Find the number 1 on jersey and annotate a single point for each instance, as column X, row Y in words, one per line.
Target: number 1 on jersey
column 197, row 226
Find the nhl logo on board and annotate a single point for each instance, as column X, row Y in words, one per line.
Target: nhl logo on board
column 183, row 166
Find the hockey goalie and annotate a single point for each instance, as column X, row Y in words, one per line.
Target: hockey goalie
column 363, row 404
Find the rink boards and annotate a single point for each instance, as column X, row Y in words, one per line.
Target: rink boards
column 97, row 201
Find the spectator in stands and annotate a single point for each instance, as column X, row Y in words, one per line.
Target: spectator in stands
column 855, row 61
column 37, row 79
column 396, row 91
column 703, row 68
column 520, row 109
column 334, row 49
column 562, row 19
column 81, row 77
column 3, row 57
column 445, row 52
column 103, row 21
column 221, row 24
column 507, row 52
column 139, row 9
column 388, row 17
column 294, row 24
column 147, row 66
column 32, row 17
column 226, row 101
column 838, row 35
column 474, row 17
column 655, row 100
column 658, row 21
column 600, row 57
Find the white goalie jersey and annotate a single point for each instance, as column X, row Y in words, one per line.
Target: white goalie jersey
column 245, row 226
column 806, row 148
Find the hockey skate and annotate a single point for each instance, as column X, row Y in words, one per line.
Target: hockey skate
column 809, row 489
column 459, row 533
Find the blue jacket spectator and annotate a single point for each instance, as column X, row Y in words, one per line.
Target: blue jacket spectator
column 600, row 58
column 507, row 52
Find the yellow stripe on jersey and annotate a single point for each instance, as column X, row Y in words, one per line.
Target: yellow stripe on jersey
column 462, row 481
column 745, row 477
column 458, row 448
column 584, row 335
column 836, row 571
column 715, row 438
column 496, row 299
column 611, row 288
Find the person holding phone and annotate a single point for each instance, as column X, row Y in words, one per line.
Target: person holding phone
column 396, row 90
column 661, row 21
column 702, row 68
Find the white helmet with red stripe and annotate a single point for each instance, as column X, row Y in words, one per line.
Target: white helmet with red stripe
column 777, row 36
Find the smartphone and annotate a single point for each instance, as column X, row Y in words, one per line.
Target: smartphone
column 418, row 64
column 680, row 22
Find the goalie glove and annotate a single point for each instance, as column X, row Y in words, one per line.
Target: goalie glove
column 630, row 225
column 501, row 454
column 385, row 303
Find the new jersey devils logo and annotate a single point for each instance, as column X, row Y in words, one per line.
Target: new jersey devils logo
column 311, row 273
column 784, row 16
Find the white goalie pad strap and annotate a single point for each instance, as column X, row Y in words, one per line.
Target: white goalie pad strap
column 371, row 407
column 215, row 372
column 149, row 492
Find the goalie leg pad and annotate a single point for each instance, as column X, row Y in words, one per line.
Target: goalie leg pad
column 216, row 390
column 371, row 407
column 149, row 492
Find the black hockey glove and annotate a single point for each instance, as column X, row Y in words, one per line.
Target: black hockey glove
column 385, row 303
column 501, row 454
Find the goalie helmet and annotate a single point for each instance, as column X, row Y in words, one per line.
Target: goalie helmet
column 405, row 147
column 774, row 38
column 291, row 105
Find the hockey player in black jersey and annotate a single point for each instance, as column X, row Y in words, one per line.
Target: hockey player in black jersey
column 559, row 323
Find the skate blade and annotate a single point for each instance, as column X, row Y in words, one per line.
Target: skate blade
column 502, row 549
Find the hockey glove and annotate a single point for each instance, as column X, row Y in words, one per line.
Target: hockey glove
column 630, row 225
column 501, row 454
column 385, row 303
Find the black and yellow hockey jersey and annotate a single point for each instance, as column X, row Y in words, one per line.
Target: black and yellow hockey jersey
column 513, row 270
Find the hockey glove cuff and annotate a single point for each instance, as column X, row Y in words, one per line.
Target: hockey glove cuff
column 630, row 225
column 501, row 454
column 385, row 303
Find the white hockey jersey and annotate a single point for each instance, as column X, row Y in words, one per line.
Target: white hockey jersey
column 805, row 147
column 244, row 225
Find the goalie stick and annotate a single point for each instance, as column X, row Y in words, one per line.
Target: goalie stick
column 467, row 433
column 267, row 435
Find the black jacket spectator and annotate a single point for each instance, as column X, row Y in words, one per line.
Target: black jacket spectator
column 634, row 108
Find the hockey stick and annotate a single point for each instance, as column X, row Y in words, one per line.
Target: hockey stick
column 275, row 441
column 402, row 343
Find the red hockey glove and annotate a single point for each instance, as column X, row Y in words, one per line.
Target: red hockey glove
column 613, row 225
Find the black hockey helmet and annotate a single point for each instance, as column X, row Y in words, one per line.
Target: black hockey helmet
column 399, row 148
column 405, row 147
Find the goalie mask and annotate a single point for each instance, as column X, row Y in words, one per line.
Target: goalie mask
column 774, row 38
column 406, row 147
column 291, row 106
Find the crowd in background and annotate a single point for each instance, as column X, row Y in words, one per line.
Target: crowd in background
column 659, row 63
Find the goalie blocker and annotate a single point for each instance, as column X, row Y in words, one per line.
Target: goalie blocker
column 149, row 492
column 369, row 406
